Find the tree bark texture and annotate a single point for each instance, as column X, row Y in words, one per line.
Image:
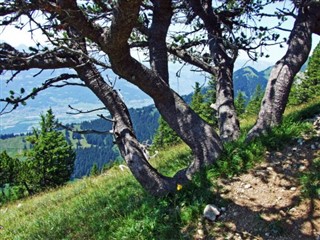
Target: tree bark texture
column 229, row 127
column 161, row 21
column 282, row 75
column 197, row 134
column 113, row 40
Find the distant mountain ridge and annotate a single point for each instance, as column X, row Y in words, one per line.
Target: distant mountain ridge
column 245, row 79
column 99, row 149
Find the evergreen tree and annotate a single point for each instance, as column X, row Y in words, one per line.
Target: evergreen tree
column 313, row 72
column 201, row 102
column 94, row 170
column 307, row 86
column 240, row 103
column 50, row 161
column 197, row 99
column 210, row 98
column 9, row 168
column 164, row 135
column 255, row 101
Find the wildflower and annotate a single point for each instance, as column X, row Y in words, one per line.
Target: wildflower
column 179, row 187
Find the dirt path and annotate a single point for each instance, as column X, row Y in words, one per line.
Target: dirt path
column 266, row 202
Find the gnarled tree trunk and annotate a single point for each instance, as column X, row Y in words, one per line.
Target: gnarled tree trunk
column 198, row 135
column 229, row 127
column 113, row 40
column 282, row 75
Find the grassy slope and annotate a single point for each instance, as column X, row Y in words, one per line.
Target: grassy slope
column 110, row 206
column 113, row 206
column 15, row 146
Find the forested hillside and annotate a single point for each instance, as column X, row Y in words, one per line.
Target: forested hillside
column 99, row 149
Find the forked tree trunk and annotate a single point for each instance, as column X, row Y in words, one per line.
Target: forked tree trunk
column 198, row 135
column 229, row 126
column 282, row 75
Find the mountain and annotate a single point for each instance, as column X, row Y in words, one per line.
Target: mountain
column 247, row 79
column 26, row 117
column 99, row 148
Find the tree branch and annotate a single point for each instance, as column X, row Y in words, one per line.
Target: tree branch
column 15, row 101
column 78, row 111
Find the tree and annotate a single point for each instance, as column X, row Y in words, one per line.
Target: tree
column 307, row 85
column 94, row 36
column 79, row 26
column 282, row 75
column 94, row 170
column 50, row 160
column 312, row 75
column 227, row 27
column 165, row 136
column 254, row 103
column 197, row 99
column 9, row 168
column 240, row 103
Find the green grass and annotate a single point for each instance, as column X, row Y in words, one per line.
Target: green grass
column 114, row 206
column 111, row 206
column 13, row 146
column 310, row 180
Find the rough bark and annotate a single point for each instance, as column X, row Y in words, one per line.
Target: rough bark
column 161, row 21
column 282, row 75
column 229, row 127
column 131, row 150
column 200, row 136
column 113, row 40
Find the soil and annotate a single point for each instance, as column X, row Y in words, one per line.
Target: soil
column 267, row 203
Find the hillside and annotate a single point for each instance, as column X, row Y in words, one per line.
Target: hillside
column 269, row 196
column 59, row 99
column 92, row 148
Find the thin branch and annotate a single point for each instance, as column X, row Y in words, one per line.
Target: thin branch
column 78, row 111
column 16, row 101
column 105, row 118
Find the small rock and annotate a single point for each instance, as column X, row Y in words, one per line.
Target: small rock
column 313, row 147
column 293, row 189
column 292, row 210
column 294, row 149
column 211, row 212
column 247, row 186
column 289, row 154
column 200, row 232
column 279, row 154
column 223, row 209
column 302, row 168
column 267, row 234
column 269, row 168
column 235, row 214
